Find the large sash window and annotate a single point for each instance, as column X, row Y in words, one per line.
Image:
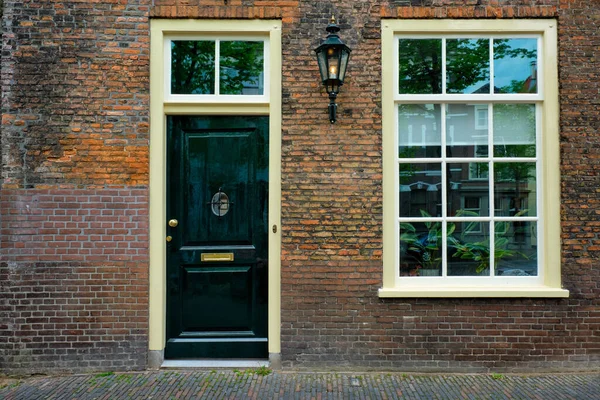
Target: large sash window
column 470, row 139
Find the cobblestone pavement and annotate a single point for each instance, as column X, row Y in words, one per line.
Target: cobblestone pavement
column 264, row 384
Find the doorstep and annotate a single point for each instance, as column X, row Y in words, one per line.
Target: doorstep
column 215, row 363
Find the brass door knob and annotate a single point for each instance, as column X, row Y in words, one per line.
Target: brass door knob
column 173, row 223
column 169, row 238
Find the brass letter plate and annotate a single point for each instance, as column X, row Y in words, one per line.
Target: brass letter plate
column 216, row 257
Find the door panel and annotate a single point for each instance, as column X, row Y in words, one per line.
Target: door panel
column 217, row 190
column 220, row 160
column 224, row 294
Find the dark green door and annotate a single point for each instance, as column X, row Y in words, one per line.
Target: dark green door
column 217, row 191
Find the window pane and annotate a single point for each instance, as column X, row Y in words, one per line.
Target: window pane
column 421, row 249
column 420, row 190
column 514, row 130
column 242, row 67
column 515, row 65
column 420, row 66
column 419, row 130
column 466, row 130
column 515, row 189
column 192, row 67
column 469, row 249
column 468, row 66
column 516, row 248
column 464, row 189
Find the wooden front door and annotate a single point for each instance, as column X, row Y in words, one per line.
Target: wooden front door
column 217, row 209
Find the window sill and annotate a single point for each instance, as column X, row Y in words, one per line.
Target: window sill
column 457, row 292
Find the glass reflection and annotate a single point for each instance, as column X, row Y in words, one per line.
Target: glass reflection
column 192, row 67
column 515, row 65
column 419, row 130
column 420, row 66
column 469, row 249
column 468, row 66
column 420, row 190
column 516, row 248
column 466, row 130
column 514, row 130
column 421, row 249
column 467, row 192
column 242, row 67
column 515, row 189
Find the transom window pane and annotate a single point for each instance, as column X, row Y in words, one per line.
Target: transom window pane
column 241, row 67
column 194, row 67
column 420, row 66
column 515, row 65
column 465, row 63
column 468, row 66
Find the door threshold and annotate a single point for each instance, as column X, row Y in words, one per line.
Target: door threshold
column 215, row 363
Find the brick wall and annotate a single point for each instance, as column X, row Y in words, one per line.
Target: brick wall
column 74, row 274
column 74, row 176
column 331, row 270
column 75, row 116
column 331, row 187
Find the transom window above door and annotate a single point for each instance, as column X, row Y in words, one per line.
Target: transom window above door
column 217, row 69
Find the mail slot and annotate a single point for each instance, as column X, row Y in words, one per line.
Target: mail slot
column 216, row 257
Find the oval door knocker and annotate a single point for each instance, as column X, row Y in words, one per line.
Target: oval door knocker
column 220, row 203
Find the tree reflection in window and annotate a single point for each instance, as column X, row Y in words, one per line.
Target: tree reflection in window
column 193, row 67
column 467, row 65
column 241, row 67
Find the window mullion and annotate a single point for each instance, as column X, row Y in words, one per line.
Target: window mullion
column 444, row 183
column 491, row 47
column 444, row 65
column 492, row 227
column 217, row 66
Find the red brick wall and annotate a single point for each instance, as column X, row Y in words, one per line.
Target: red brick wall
column 74, row 276
column 74, row 176
column 332, row 317
column 77, row 116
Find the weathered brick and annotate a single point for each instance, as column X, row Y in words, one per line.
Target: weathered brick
column 74, row 201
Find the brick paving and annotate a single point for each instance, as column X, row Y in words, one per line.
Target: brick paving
column 251, row 384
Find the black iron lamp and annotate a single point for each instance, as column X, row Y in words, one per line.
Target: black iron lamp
column 332, row 56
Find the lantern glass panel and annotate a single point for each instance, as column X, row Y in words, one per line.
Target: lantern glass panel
column 322, row 60
column 343, row 64
column 333, row 61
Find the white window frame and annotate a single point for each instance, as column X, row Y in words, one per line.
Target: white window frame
column 163, row 104
column 548, row 281
column 217, row 97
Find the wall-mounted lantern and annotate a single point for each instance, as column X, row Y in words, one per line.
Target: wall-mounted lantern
column 332, row 56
